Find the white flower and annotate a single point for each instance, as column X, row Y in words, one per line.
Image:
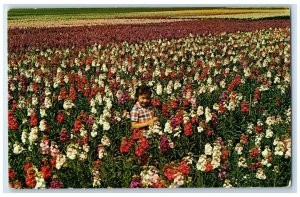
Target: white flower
column 247, row 72
column 271, row 120
column 239, row 148
column 267, row 152
column 242, row 162
column 96, row 178
column 71, row 151
column 33, row 135
column 179, row 180
column 105, row 141
column 158, row 89
column 279, row 149
column 43, row 112
column 95, row 126
column 34, row 100
column 43, row 125
column 106, row 126
column 93, row 110
column 227, row 184
column 177, row 85
column 24, row 136
column 86, row 148
column 60, row 161
column 260, row 174
column 250, row 128
column 47, row 102
column 94, row 133
column 68, row 104
column 208, row 149
column 17, row 149
column 223, row 84
column 168, row 128
column 276, row 79
column 40, row 182
column 83, row 131
column 82, row 156
column 269, row 133
column 208, row 115
column 108, row 104
column 200, row 110
column 201, row 163
column 288, row 152
column 200, row 129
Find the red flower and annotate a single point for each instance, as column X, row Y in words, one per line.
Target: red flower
column 30, row 179
column 258, row 129
column 60, row 117
column 184, row 168
column 165, row 110
column 77, row 125
column 137, row 134
column 63, row 94
column 244, row 139
column 139, row 151
column 17, row 185
column 45, row 170
column 169, row 172
column 155, row 103
column 194, row 120
column 188, row 130
column 222, row 107
column 210, row 132
column 11, row 173
column 224, row 155
column 245, row 106
column 28, row 166
column 186, row 102
column 173, row 104
column 12, row 121
column 125, row 145
column 257, row 94
column 208, row 167
column 143, row 144
column 159, row 184
column 53, row 162
column 73, row 94
column 34, row 120
column 254, row 152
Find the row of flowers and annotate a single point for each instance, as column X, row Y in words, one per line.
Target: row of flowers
column 22, row 39
column 223, row 103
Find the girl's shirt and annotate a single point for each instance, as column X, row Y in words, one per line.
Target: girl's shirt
column 141, row 114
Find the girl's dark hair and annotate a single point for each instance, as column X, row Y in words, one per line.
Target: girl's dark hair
column 143, row 89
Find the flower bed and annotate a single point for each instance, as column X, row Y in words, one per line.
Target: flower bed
column 222, row 98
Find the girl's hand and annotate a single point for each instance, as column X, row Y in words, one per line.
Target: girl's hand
column 151, row 122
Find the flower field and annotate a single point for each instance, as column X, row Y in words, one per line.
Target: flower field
column 221, row 90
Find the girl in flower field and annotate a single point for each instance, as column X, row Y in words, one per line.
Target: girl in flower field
column 142, row 116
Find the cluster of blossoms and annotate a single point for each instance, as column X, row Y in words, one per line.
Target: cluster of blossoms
column 213, row 156
column 176, row 173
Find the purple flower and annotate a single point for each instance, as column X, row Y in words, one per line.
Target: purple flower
column 122, row 97
column 164, row 144
column 56, row 184
column 221, row 175
column 214, row 120
column 224, row 96
column 135, row 184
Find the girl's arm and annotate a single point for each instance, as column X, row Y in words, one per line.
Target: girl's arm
column 136, row 125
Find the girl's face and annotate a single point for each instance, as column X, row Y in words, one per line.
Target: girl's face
column 144, row 100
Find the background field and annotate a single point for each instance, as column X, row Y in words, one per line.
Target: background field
column 95, row 16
